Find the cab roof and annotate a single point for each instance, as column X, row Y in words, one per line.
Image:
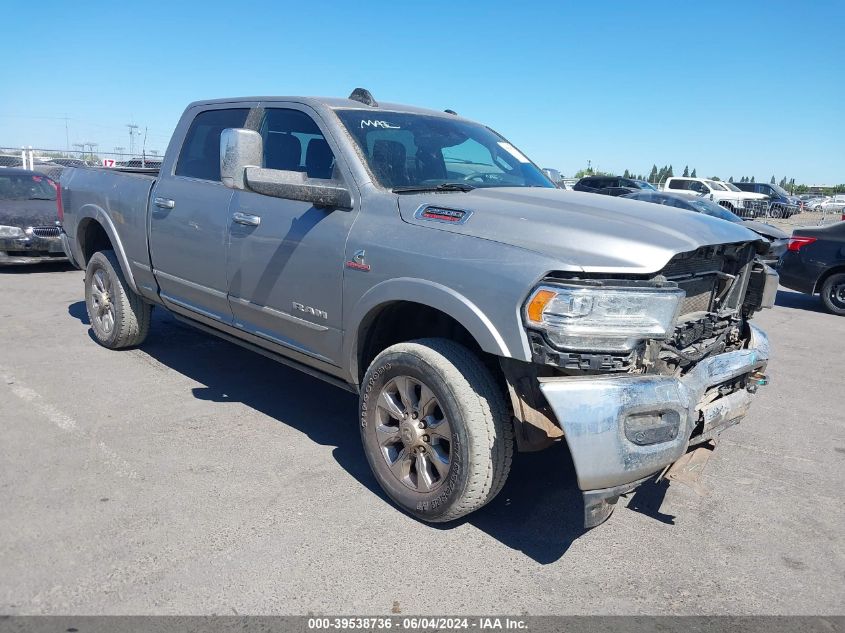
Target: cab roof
column 334, row 103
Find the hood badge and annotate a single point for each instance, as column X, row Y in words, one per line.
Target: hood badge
column 358, row 261
column 434, row 213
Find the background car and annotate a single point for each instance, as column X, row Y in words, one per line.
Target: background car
column 776, row 238
column 781, row 203
column 814, row 263
column 611, row 185
column 744, row 203
column 834, row 203
column 28, row 215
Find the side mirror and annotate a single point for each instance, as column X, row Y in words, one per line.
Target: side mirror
column 241, row 154
column 295, row 185
column 239, row 149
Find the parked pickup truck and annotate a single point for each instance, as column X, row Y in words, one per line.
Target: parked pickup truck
column 422, row 261
column 743, row 203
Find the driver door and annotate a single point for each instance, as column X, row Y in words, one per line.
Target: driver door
column 286, row 258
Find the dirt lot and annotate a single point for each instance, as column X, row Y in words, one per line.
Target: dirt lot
column 190, row 476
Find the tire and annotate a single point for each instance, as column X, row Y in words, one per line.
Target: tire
column 833, row 294
column 464, row 464
column 119, row 317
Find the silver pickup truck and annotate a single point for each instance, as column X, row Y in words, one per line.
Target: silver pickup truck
column 423, row 262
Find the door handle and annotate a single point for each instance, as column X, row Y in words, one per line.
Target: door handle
column 247, row 219
column 164, row 203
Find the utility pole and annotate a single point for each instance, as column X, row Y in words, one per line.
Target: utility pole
column 91, row 147
column 133, row 130
column 67, row 136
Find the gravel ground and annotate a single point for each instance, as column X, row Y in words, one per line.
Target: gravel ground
column 190, row 476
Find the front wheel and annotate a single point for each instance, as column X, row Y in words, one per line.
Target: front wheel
column 435, row 429
column 119, row 317
column 833, row 294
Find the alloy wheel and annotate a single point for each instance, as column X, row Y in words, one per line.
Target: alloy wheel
column 413, row 434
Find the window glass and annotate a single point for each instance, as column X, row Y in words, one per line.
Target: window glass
column 405, row 150
column 26, row 187
column 714, row 209
column 200, row 155
column 293, row 142
column 677, row 183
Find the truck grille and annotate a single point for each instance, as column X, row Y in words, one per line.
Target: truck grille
column 46, row 231
column 702, row 274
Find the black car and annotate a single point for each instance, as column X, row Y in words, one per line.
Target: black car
column 814, row 263
column 777, row 238
column 611, row 185
column 28, row 215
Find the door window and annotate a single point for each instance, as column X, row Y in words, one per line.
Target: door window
column 200, row 155
column 293, row 142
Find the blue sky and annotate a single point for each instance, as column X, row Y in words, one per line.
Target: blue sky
column 731, row 88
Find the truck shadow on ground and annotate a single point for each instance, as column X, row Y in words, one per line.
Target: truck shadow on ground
column 539, row 512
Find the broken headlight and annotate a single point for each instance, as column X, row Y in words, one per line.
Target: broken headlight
column 606, row 318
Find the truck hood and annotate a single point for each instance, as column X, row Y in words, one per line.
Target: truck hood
column 746, row 195
column 584, row 231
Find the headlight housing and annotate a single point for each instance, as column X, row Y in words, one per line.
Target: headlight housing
column 10, row 231
column 602, row 318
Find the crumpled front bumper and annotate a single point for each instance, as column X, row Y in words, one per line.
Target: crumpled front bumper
column 597, row 414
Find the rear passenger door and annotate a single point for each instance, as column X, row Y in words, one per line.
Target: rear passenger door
column 189, row 216
column 285, row 269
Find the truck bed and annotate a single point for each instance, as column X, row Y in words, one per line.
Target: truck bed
column 119, row 201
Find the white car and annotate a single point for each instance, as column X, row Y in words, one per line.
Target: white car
column 834, row 203
column 743, row 203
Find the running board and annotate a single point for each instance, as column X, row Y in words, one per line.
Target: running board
column 305, row 369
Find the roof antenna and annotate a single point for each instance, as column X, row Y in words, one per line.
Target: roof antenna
column 451, row 112
column 363, row 95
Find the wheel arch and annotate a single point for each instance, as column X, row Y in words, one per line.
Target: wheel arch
column 95, row 231
column 833, row 270
column 385, row 305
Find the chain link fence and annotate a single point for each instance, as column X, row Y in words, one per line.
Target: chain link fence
column 41, row 159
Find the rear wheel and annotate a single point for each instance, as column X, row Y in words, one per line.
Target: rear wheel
column 833, row 294
column 119, row 317
column 435, row 429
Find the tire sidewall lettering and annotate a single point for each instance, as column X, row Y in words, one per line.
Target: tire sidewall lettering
column 441, row 498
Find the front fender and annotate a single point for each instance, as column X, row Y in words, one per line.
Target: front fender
column 428, row 293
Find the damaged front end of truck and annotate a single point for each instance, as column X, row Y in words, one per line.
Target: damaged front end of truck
column 636, row 371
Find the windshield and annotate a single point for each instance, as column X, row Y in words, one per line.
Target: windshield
column 26, row 187
column 731, row 186
column 407, row 151
column 646, row 185
column 716, row 185
column 780, row 190
column 709, row 207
